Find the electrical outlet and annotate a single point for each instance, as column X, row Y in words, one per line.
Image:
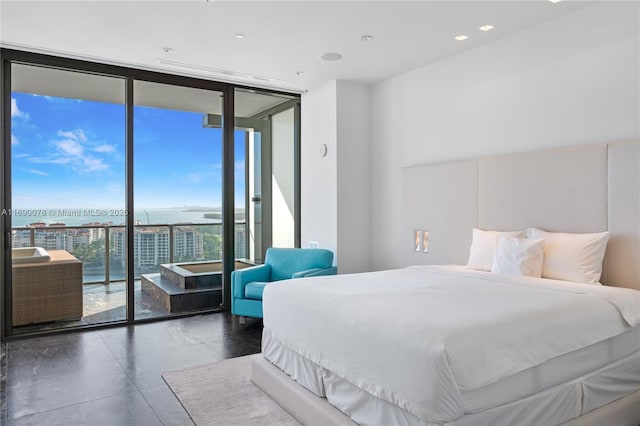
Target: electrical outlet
column 314, row 244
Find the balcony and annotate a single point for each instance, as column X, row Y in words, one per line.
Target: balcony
column 102, row 250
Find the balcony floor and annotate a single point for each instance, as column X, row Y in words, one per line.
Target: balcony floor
column 106, row 304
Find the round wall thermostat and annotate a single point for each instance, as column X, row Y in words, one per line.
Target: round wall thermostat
column 323, row 150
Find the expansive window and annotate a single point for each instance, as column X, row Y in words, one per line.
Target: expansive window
column 126, row 197
column 67, row 197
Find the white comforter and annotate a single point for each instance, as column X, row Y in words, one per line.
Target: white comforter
column 417, row 337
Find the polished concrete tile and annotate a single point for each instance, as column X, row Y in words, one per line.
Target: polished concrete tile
column 143, row 339
column 62, row 352
column 166, row 406
column 221, row 330
column 145, row 370
column 59, row 371
column 120, row 410
column 113, row 376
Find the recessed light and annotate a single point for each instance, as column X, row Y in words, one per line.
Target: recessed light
column 167, row 49
column 461, row 37
column 366, row 37
column 240, row 36
column 331, row 56
column 555, row 1
column 300, row 73
column 486, row 28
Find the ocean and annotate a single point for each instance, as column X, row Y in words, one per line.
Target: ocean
column 81, row 216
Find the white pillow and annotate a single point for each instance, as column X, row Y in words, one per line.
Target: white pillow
column 483, row 247
column 519, row 256
column 572, row 257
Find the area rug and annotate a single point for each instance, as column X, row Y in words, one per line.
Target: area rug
column 221, row 393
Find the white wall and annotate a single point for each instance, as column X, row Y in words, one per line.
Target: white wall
column 336, row 189
column 573, row 80
column 318, row 180
column 354, row 177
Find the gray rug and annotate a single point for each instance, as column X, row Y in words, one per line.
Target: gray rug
column 222, row 393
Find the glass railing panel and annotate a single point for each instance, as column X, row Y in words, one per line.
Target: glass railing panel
column 102, row 248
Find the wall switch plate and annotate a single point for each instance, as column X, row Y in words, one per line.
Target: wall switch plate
column 314, row 244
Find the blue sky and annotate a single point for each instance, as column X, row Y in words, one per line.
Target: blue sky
column 69, row 153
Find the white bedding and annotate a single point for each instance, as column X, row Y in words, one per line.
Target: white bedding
column 421, row 336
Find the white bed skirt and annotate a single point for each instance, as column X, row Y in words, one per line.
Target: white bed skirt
column 542, row 405
column 312, row 410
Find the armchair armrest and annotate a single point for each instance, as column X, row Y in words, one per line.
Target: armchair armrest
column 243, row 276
column 315, row 272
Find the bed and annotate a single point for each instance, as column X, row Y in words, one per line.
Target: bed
column 454, row 345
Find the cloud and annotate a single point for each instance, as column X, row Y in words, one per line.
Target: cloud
column 105, row 148
column 38, row 172
column 14, row 140
column 194, row 178
column 90, row 164
column 76, row 135
column 71, row 149
column 51, row 160
column 16, row 112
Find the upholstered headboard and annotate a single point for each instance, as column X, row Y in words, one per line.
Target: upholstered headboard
column 589, row 188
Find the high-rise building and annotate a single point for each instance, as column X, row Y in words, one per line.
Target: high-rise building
column 240, row 243
column 152, row 245
column 188, row 243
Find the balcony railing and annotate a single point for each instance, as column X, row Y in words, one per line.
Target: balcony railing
column 84, row 241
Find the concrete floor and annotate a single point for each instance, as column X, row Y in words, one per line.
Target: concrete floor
column 113, row 376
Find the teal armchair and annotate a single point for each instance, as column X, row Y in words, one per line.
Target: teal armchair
column 280, row 264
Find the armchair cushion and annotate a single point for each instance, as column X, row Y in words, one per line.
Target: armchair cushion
column 314, row 272
column 253, row 290
column 241, row 277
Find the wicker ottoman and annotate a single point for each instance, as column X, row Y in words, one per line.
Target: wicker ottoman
column 47, row 291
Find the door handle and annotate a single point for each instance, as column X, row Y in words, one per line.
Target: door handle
column 256, row 198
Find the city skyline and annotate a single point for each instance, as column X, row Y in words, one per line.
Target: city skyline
column 70, row 153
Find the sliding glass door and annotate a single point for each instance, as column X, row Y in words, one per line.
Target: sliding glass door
column 269, row 126
column 178, row 232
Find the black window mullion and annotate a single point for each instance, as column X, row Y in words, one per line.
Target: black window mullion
column 6, row 328
column 130, row 266
column 228, row 190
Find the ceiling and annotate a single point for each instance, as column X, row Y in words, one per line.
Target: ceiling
column 77, row 85
column 281, row 38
